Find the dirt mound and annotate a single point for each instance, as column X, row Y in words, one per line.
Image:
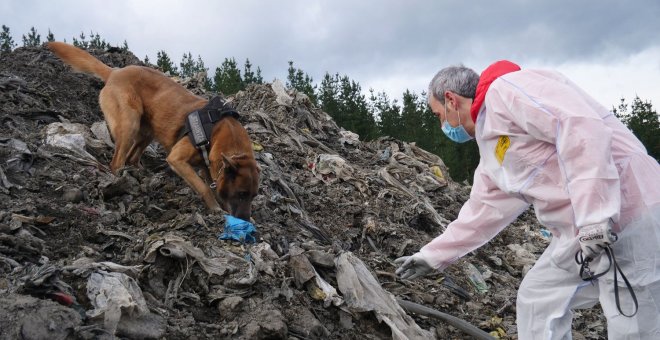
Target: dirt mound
column 138, row 255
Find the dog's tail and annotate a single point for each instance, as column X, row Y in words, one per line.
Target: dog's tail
column 80, row 60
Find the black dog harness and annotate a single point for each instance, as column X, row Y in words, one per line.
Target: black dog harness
column 199, row 124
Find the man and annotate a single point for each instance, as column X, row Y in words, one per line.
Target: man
column 543, row 141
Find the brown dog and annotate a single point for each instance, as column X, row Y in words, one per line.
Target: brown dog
column 140, row 104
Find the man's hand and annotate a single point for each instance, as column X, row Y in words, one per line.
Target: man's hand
column 594, row 239
column 411, row 267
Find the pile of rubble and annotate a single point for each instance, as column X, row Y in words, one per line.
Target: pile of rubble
column 86, row 254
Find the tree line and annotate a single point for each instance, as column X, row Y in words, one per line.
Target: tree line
column 370, row 116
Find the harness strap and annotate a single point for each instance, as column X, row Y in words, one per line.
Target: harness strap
column 205, row 154
column 587, row 275
column 199, row 125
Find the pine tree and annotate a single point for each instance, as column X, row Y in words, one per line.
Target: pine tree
column 200, row 67
column 258, row 79
column 33, row 39
column 164, row 63
column 227, row 78
column 96, row 42
column 249, row 77
column 82, row 43
column 389, row 115
column 50, row 36
column 328, row 95
column 411, row 117
column 6, row 41
column 187, row 65
column 300, row 81
column 644, row 122
column 355, row 110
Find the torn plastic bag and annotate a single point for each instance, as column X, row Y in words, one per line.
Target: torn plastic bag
column 219, row 262
column 329, row 168
column 363, row 293
column 239, row 230
column 114, row 294
column 71, row 137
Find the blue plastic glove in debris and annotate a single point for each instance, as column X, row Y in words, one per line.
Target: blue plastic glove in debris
column 239, row 230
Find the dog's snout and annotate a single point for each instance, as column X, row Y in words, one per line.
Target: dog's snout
column 241, row 211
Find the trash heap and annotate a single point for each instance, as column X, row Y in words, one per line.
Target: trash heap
column 85, row 254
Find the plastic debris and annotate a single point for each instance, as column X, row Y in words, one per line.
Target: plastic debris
column 437, row 172
column 114, row 295
column 71, row 137
column 498, row 333
column 283, row 98
column 330, row 295
column 239, row 230
column 348, row 137
column 546, row 233
column 257, row 147
column 219, row 263
column 476, row 278
column 363, row 293
column 20, row 157
column 330, row 168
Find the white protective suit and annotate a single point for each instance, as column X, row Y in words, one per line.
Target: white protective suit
column 545, row 142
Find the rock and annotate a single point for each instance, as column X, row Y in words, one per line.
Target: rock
column 26, row 317
column 73, row 195
column 229, row 307
column 268, row 324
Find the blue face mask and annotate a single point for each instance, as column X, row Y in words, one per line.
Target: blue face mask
column 456, row 134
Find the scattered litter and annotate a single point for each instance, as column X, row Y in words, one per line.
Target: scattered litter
column 64, row 217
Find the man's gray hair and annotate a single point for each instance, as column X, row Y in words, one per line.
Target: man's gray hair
column 458, row 79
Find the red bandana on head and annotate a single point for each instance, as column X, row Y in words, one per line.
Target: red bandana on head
column 487, row 77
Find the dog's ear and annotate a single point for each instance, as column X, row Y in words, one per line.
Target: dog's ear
column 229, row 164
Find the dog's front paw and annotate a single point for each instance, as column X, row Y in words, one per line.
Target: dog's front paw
column 129, row 170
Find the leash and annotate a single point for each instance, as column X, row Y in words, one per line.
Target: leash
column 587, row 275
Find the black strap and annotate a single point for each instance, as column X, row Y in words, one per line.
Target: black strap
column 587, row 275
column 199, row 125
column 214, row 111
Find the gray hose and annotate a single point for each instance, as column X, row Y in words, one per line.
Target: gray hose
column 461, row 324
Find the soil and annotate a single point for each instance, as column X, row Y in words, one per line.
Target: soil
column 65, row 218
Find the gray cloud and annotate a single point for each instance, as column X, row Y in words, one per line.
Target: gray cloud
column 367, row 40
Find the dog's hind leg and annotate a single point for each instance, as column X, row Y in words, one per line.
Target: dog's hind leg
column 123, row 122
column 122, row 114
column 144, row 137
column 179, row 159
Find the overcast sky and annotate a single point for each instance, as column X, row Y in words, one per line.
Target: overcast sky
column 610, row 48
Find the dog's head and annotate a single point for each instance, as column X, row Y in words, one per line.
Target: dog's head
column 237, row 184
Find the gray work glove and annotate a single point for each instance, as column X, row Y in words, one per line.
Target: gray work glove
column 411, row 267
column 594, row 239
